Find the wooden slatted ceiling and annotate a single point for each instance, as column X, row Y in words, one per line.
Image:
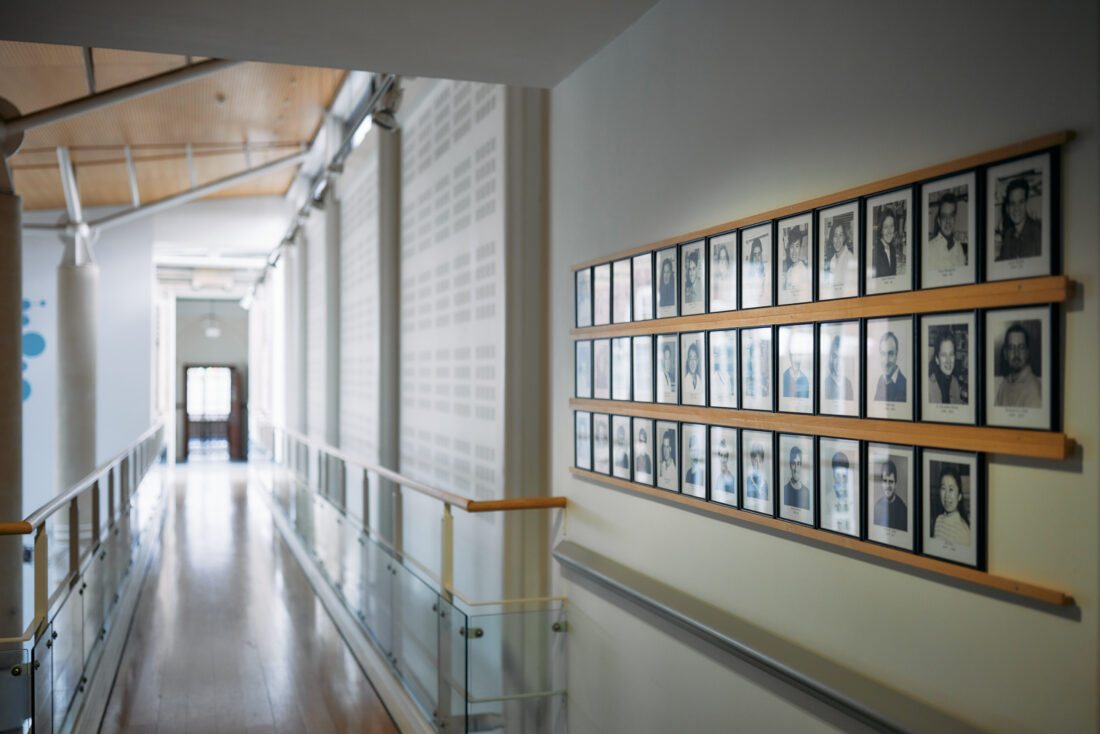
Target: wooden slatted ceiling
column 274, row 107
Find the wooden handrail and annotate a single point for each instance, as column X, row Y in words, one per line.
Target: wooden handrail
column 16, row 528
column 521, row 503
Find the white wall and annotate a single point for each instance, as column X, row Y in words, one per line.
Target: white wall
column 703, row 112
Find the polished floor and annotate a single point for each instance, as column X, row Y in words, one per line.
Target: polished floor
column 228, row 635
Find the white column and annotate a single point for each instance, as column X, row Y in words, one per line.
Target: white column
column 389, row 327
column 332, row 316
column 11, row 408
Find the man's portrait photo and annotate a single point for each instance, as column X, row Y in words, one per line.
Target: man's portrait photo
column 837, row 258
column 839, row 377
column 693, row 382
column 601, row 294
column 643, row 369
column 839, row 488
column 620, row 447
column 757, row 470
column 584, row 297
column 889, row 239
column 643, row 450
column 950, row 499
column 889, row 362
column 643, row 286
column 693, row 266
column 584, row 368
column 667, row 283
column 622, row 296
column 796, row 359
column 756, row 368
column 890, row 471
column 723, row 465
column 583, row 435
column 949, row 230
column 668, row 369
column 1018, row 367
column 796, row 474
column 723, row 272
column 756, row 266
column 723, row 368
column 601, row 369
column 601, row 443
column 694, row 462
column 621, row 368
column 947, row 353
column 1018, row 206
column 795, row 256
column 668, row 472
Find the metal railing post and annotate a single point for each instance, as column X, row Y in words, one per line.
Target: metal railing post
column 111, row 496
column 366, row 499
column 41, row 574
column 74, row 539
column 446, row 545
column 95, row 513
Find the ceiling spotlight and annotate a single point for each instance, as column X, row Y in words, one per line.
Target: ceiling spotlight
column 219, row 99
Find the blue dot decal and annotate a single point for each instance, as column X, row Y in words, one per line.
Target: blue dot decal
column 33, row 344
column 26, row 390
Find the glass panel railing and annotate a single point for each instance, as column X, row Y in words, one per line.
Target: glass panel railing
column 57, row 548
column 416, row 637
column 376, row 603
column 42, row 671
column 68, row 653
column 91, row 590
column 15, row 689
column 453, row 666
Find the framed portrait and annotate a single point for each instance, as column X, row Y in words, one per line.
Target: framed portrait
column 891, row 501
column 584, row 368
column 949, row 390
column 620, row 446
column 601, row 443
column 601, row 369
column 643, row 369
column 888, row 256
column 621, row 368
column 693, row 440
column 758, row 471
column 668, row 473
column 583, row 278
column 723, row 368
column 667, row 282
column 757, row 264
column 643, row 286
column 838, row 237
column 838, row 483
column 693, row 269
column 723, row 272
column 756, row 369
column 839, row 376
column 949, row 231
column 668, row 369
column 582, row 434
column 693, row 382
column 723, row 465
column 643, row 451
column 796, row 365
column 889, row 360
column 601, row 294
column 1019, row 371
column 622, row 294
column 953, row 500
column 1019, row 223
column 796, row 280
column 796, row 476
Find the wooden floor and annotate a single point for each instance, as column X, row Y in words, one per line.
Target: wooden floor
column 228, row 636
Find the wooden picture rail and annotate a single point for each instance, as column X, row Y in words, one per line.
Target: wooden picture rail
column 855, row 545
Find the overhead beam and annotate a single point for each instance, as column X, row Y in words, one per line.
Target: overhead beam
column 132, row 173
column 89, row 69
column 68, row 184
column 191, row 166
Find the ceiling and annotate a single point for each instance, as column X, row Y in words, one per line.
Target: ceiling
column 533, row 44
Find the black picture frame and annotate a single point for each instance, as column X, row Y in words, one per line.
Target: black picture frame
column 667, row 286
column 754, row 497
column 883, row 274
column 757, row 280
column 693, row 449
column 956, row 534
column 795, row 273
column 839, row 264
column 582, row 368
column 757, row 362
column 723, row 373
column 840, row 462
column 792, row 340
column 601, row 294
column 601, row 369
column 1010, row 402
column 601, row 444
column 950, row 259
column 622, row 291
column 622, row 368
column 667, row 372
column 693, row 295
column 582, row 440
column 642, row 285
column 796, row 459
column 582, row 302
column 693, row 388
column 725, row 470
column 963, row 384
column 622, row 453
column 884, row 522
column 1041, row 170
column 724, row 270
column 643, row 362
column 879, row 399
column 668, row 477
column 840, row 385
column 644, row 472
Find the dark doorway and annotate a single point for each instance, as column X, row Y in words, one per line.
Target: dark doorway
column 213, row 404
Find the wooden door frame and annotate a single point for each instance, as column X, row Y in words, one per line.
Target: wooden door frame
column 239, row 404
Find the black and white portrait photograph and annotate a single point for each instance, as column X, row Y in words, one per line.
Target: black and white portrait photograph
column 601, row 443
column 601, row 294
column 621, row 368
column 644, row 444
column 693, row 269
column 667, row 283
column 601, row 369
column 1018, row 218
column 756, row 369
column 583, row 435
column 643, row 369
column 837, row 256
column 584, row 297
column 620, row 446
column 796, row 368
column 723, row 465
column 758, row 472
column 839, row 349
column 889, row 252
column 622, row 295
column 796, row 475
column 795, row 257
column 1018, row 368
column 756, row 266
column 890, row 368
column 839, row 485
column 890, row 506
column 668, row 369
column 643, row 286
column 668, row 472
column 693, row 377
column 723, row 368
column 694, row 462
column 584, row 368
column 947, row 356
column 949, row 231
column 952, row 501
column 723, row 272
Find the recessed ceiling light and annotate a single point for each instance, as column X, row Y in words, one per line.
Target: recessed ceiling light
column 219, row 99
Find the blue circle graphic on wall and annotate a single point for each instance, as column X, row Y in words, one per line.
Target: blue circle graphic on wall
column 34, row 344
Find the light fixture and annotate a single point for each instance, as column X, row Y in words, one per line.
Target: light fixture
column 360, row 133
column 211, row 326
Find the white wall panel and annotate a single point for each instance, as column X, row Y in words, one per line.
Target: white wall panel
column 315, row 325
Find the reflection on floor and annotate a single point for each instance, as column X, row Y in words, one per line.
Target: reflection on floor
column 228, row 635
column 207, row 449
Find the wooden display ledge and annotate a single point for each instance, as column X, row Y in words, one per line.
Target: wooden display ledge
column 1022, row 292
column 1018, row 442
column 931, row 565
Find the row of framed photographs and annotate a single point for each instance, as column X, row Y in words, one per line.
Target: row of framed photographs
column 860, row 247
column 920, row 500
column 871, row 368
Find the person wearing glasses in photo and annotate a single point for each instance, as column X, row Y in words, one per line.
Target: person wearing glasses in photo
column 943, row 384
column 951, row 525
column 1021, row 236
column 945, row 249
column 1019, row 387
column 756, row 484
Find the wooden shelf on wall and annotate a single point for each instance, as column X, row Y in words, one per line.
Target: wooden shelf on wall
column 1022, row 292
column 930, row 565
column 1018, row 442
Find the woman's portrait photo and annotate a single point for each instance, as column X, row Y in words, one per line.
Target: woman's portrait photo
column 643, row 369
column 693, row 266
column 694, row 462
column 949, row 231
column 621, row 367
column 947, row 353
column 668, row 369
column 723, row 368
column 622, row 296
column 667, row 304
column 643, row 451
column 693, row 383
column 795, row 256
column 838, row 349
column 584, row 368
column 756, row 369
column 601, row 443
column 723, row 465
column 1018, row 222
column 601, row 294
column 668, row 473
column 601, row 365
column 584, row 297
column 643, row 286
column 620, row 448
column 583, row 435
column 889, row 256
column 796, row 360
column 756, row 266
column 758, row 472
column 723, row 272
column 838, row 258
column 952, row 501
column 1018, row 368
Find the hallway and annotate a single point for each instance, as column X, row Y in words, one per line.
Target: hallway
column 228, row 635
